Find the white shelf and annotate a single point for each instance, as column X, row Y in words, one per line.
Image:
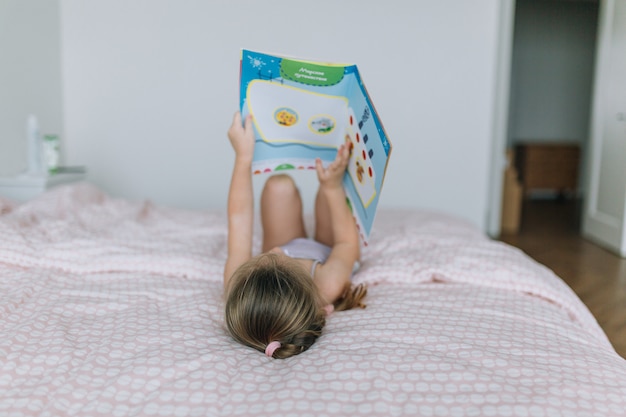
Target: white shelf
column 25, row 187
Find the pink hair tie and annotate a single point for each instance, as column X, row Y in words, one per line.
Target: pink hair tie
column 329, row 308
column 271, row 348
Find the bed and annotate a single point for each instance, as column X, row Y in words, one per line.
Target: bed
column 114, row 307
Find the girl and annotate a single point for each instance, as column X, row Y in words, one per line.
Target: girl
column 277, row 302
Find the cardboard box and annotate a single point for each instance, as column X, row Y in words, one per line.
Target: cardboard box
column 511, row 198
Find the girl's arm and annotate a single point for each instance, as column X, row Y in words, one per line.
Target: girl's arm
column 240, row 197
column 334, row 275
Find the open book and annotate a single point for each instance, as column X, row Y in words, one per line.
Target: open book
column 304, row 110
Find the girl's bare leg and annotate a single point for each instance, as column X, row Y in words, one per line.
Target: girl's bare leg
column 281, row 212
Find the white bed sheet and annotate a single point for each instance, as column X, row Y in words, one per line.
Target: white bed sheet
column 110, row 307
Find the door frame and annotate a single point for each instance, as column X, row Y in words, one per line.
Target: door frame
column 500, row 112
column 598, row 226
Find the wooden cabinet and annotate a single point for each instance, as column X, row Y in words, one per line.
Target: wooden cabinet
column 545, row 166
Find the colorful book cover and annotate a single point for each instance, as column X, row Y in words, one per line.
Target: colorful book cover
column 303, row 110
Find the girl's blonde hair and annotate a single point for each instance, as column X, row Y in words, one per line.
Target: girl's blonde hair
column 272, row 298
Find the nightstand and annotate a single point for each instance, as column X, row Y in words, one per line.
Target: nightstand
column 25, row 187
column 548, row 166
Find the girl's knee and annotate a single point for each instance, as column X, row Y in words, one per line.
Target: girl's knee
column 280, row 184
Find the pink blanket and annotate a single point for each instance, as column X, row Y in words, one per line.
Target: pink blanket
column 113, row 307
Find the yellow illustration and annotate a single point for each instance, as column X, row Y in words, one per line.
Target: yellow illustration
column 286, row 117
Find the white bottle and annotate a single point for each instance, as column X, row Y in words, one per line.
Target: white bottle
column 34, row 146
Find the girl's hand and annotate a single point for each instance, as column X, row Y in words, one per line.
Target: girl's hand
column 332, row 175
column 242, row 137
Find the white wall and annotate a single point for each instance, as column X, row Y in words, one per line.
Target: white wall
column 30, row 76
column 150, row 86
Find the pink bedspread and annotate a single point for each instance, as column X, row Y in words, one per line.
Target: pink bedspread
column 110, row 307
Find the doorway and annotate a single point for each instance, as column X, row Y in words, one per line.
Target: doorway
column 551, row 88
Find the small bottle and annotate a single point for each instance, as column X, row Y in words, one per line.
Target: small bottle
column 51, row 154
column 34, row 146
